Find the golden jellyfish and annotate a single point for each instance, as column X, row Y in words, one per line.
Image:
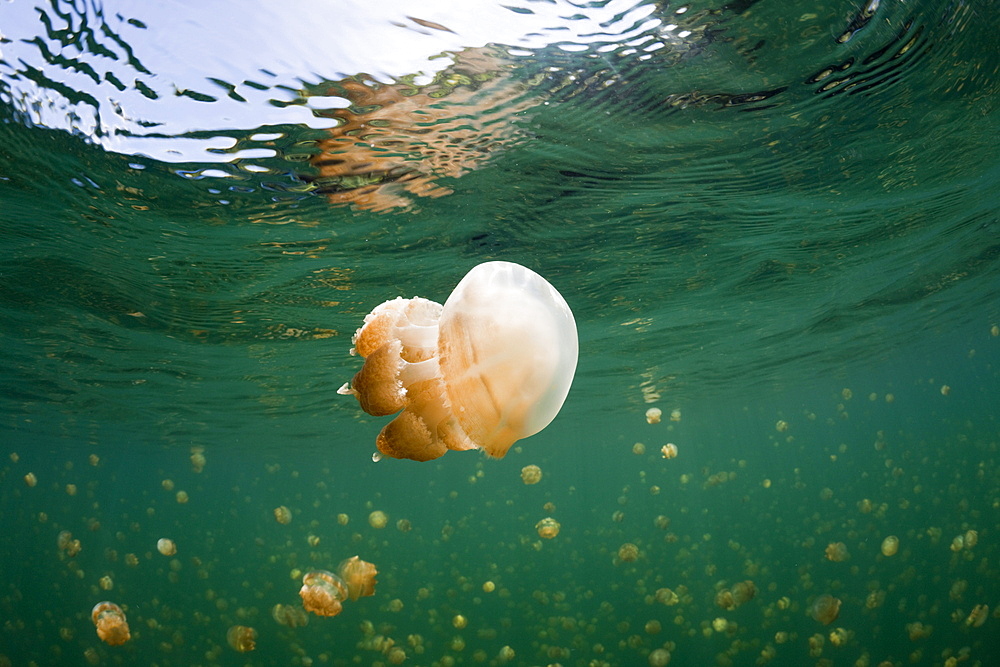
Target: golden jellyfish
column 359, row 576
column 166, row 546
column 890, row 546
column 654, row 415
column 290, row 615
column 531, row 474
column 322, row 593
column 547, row 528
column 743, row 592
column 109, row 619
column 490, row 367
column 978, row 616
column 628, row 552
column 241, row 638
column 378, row 519
column 283, row 515
column 659, row 658
column 837, row 552
column 669, row 451
column 825, row 609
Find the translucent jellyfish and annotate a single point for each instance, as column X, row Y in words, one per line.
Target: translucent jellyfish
column 825, row 609
column 837, row 552
column 282, row 515
column 290, row 615
column 242, row 638
column 109, row 619
column 531, row 474
column 890, row 545
column 669, row 451
column 322, row 593
column 359, row 576
column 166, row 546
column 378, row 519
column 654, row 415
column 491, row 366
column 547, row 528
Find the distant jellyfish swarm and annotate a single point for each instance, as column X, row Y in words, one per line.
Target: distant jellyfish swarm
column 490, row 367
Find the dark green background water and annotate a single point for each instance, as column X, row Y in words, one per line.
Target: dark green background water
column 829, row 259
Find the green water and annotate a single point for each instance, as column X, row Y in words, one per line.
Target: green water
column 808, row 277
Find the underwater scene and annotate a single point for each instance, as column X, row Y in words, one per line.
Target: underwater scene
column 500, row 332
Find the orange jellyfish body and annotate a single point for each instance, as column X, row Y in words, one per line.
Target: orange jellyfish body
column 241, row 638
column 109, row 619
column 322, row 593
column 359, row 576
column 547, row 528
column 491, row 366
column 825, row 609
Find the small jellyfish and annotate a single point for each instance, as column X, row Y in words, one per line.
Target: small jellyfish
column 837, row 552
column 547, row 528
column 359, row 576
column 654, row 415
column 659, row 658
column 322, row 593
column 109, row 619
column 743, row 592
column 825, row 609
column 669, row 451
column 531, row 474
column 890, row 546
column 241, row 638
column 290, row 615
column 490, row 367
column 282, row 515
column 978, row 616
column 30, row 479
column 166, row 546
column 378, row 519
column 628, row 552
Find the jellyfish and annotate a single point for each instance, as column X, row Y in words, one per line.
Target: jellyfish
column 359, row 576
column 166, row 546
column 490, row 367
column 286, row 614
column 890, row 545
column 322, row 593
column 109, row 619
column 531, row 474
column 547, row 528
column 241, row 638
column 825, row 609
column 837, row 552
column 282, row 515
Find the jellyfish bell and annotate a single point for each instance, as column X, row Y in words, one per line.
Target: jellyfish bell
column 491, row 366
column 825, row 609
column 322, row 593
column 109, row 619
column 359, row 576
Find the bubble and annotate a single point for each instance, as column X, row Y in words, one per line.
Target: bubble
column 491, row 366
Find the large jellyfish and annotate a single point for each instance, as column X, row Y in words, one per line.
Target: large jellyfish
column 491, row 366
column 109, row 619
column 359, row 575
column 322, row 593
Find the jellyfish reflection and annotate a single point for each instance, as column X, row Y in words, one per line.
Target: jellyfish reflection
column 322, row 593
column 359, row 576
column 491, row 366
column 109, row 619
